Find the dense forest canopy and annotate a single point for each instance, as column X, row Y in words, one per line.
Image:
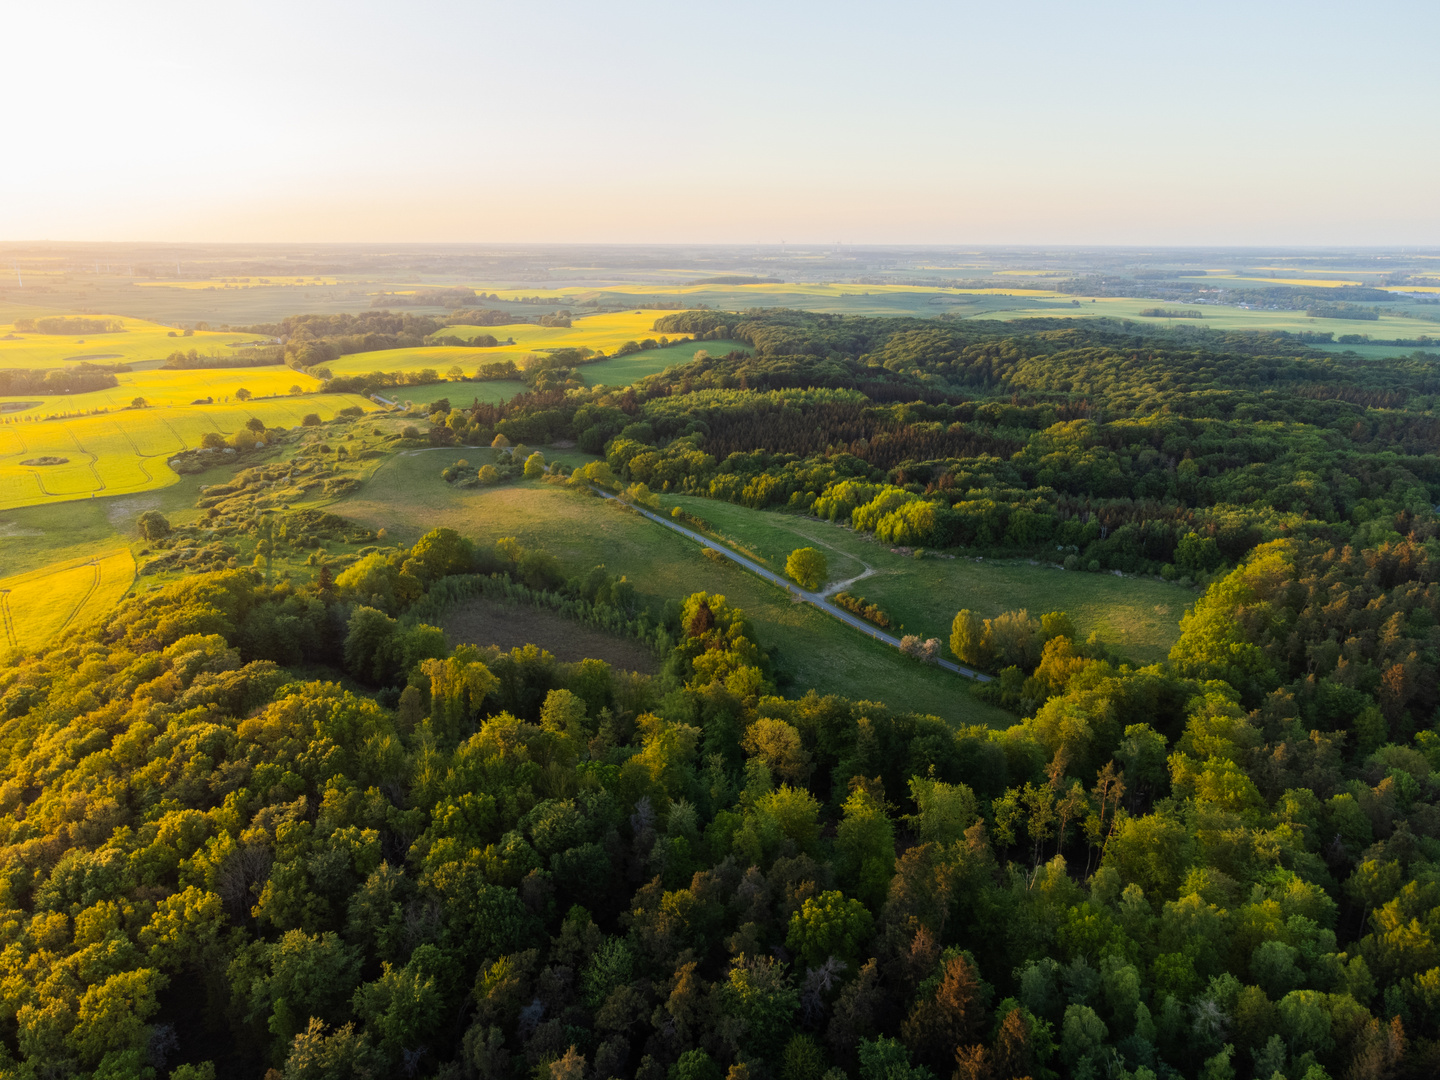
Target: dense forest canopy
column 251, row 825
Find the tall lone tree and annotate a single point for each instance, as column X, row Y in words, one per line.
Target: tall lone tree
column 808, row 566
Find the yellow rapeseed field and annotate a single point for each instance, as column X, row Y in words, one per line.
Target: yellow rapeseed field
column 34, row 607
column 241, row 282
column 120, row 453
column 163, row 387
column 140, row 340
column 603, row 332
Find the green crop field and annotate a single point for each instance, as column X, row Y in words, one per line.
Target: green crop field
column 624, row 370
column 35, row 606
column 1138, row 616
column 460, row 394
column 1217, row 318
column 125, row 452
column 137, row 342
column 406, row 496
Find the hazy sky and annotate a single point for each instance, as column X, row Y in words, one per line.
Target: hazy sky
column 1167, row 123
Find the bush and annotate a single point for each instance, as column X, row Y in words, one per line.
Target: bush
column 311, row 420
column 153, row 525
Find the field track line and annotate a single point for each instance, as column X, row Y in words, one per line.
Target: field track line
column 7, row 618
column 94, row 584
column 178, row 437
column 91, row 466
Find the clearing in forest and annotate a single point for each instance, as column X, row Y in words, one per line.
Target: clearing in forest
column 811, row 650
column 34, row 607
column 1139, row 617
column 487, row 622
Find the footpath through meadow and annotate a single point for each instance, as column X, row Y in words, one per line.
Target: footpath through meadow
column 817, row 599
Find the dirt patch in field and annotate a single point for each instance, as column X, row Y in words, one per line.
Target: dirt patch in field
column 485, row 622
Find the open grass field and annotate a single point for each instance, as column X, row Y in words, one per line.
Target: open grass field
column 1137, row 616
column 1371, row 352
column 1218, row 318
column 36, row 606
column 406, row 496
column 163, row 387
column 488, row 622
column 624, row 370
column 459, row 394
column 125, row 452
column 139, row 341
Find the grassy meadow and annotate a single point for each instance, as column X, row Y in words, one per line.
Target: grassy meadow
column 624, row 370
column 406, row 496
column 1138, row 616
column 459, row 394
column 36, row 606
column 1217, row 317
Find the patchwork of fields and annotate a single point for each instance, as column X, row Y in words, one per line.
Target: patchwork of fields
column 34, row 607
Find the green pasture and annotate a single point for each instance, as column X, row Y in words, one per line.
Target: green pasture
column 461, row 393
column 1139, row 617
column 1378, row 352
column 1216, row 318
column 624, row 370
column 406, row 496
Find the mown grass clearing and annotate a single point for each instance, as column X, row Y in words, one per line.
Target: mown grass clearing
column 36, row 606
column 406, row 496
column 139, row 340
column 460, row 394
column 486, row 622
column 125, row 452
column 624, row 370
column 1139, row 617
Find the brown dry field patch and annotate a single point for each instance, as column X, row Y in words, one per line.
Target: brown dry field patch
column 486, row 622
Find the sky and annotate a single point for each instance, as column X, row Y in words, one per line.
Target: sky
column 1264, row 122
